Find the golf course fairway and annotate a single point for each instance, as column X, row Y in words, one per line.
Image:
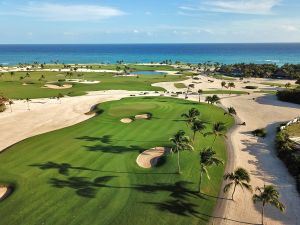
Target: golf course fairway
column 87, row 173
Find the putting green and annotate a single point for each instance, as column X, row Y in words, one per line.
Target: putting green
column 87, row 173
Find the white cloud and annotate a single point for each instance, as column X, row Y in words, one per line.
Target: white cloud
column 136, row 31
column 261, row 7
column 289, row 27
column 72, row 12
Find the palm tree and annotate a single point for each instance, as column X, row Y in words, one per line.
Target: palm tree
column 208, row 99
column 28, row 100
column 223, row 84
column 240, row 177
column 215, row 99
column 218, row 130
column 191, row 116
column 268, row 195
column 197, row 126
column 200, row 92
column 180, row 143
column 10, row 102
column 231, row 85
column 207, row 159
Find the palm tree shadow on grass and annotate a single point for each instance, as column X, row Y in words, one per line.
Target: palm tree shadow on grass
column 114, row 149
column 63, row 168
column 106, row 139
column 82, row 186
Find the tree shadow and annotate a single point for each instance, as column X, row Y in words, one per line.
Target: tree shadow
column 106, row 139
column 177, row 190
column 63, row 168
column 114, row 149
column 82, row 186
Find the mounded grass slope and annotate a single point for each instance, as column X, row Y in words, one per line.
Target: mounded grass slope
column 87, row 174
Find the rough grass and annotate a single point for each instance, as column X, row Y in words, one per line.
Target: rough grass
column 87, row 174
column 294, row 130
column 180, row 85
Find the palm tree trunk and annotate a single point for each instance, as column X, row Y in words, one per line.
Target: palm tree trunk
column 214, row 141
column 28, row 106
column 199, row 98
column 194, row 136
column 178, row 162
column 233, row 192
column 200, row 181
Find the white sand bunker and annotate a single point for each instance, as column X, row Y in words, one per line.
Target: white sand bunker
column 142, row 116
column 4, row 192
column 53, row 86
column 149, row 158
column 80, row 81
column 126, row 120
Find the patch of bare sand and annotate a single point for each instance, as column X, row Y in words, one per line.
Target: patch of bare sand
column 4, row 192
column 142, row 116
column 52, row 86
column 149, row 158
column 126, row 120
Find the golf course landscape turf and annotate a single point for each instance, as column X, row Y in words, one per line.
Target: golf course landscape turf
column 87, row 173
column 12, row 87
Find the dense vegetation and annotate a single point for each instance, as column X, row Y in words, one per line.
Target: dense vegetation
column 287, row 152
column 289, row 95
column 291, row 71
column 87, row 173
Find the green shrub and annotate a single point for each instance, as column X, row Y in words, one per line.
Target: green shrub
column 251, row 87
column 260, row 133
column 289, row 96
column 2, row 107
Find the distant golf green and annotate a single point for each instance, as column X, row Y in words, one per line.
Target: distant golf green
column 87, row 173
column 20, row 86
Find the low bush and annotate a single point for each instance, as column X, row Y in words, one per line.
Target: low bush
column 289, row 95
column 2, row 107
column 251, row 87
column 260, row 133
column 287, row 153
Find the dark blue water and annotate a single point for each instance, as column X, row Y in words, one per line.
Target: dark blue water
column 144, row 53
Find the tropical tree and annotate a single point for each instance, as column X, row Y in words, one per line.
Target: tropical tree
column 240, row 177
column 223, row 84
column 197, row 126
column 268, row 195
column 200, row 92
column 208, row 99
column 231, row 85
column 180, row 142
column 207, row 159
column 215, row 99
column 10, row 102
column 218, row 130
column 59, row 96
column 288, row 85
column 191, row 115
column 28, row 100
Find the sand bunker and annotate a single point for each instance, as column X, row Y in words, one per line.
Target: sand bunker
column 149, row 158
column 53, row 86
column 80, row 81
column 126, row 120
column 4, row 192
column 143, row 116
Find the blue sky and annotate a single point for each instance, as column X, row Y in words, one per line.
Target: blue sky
column 152, row 21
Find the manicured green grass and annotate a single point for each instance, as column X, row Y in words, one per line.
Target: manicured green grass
column 180, row 85
column 266, row 92
column 87, row 174
column 222, row 77
column 272, row 84
column 225, row 92
column 11, row 86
